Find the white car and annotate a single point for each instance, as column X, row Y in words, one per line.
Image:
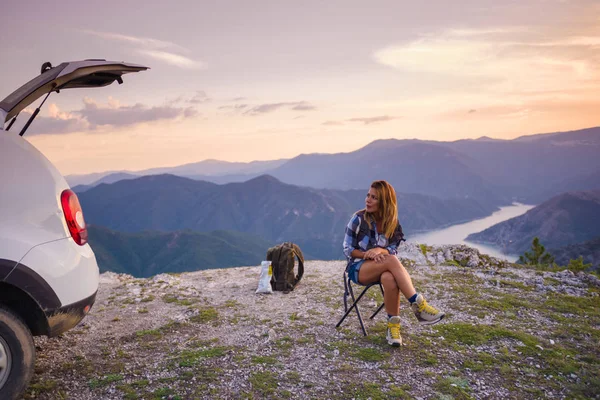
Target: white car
column 48, row 272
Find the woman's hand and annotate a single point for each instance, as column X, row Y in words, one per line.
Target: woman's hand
column 376, row 254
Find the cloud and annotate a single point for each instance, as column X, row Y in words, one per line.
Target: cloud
column 94, row 115
column 48, row 125
column 332, row 123
column 466, row 32
column 148, row 43
column 200, row 97
column 304, row 106
column 510, row 59
column 495, row 112
column 270, row 107
column 128, row 115
column 190, row 112
column 372, row 120
column 57, row 121
column 161, row 50
column 173, row 59
column 235, row 107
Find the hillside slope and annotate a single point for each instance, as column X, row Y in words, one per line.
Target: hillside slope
column 569, row 218
column 149, row 253
column 590, row 251
column 207, row 335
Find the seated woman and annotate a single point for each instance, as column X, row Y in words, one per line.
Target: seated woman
column 370, row 245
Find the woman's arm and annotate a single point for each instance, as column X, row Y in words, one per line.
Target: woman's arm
column 358, row 254
column 351, row 238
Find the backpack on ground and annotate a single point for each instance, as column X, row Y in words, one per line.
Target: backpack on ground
column 283, row 258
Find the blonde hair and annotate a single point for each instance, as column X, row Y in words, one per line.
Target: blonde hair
column 387, row 208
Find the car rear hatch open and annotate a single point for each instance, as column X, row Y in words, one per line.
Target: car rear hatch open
column 68, row 75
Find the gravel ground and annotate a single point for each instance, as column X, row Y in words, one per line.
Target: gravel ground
column 207, row 334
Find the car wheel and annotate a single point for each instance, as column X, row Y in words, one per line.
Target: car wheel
column 17, row 355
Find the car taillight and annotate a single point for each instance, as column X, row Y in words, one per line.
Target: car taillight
column 74, row 216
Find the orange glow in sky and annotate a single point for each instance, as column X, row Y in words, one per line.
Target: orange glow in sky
column 241, row 83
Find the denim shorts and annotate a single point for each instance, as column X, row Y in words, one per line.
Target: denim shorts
column 353, row 271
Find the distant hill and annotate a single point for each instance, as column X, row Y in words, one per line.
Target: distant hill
column 110, row 178
column 411, row 166
column 534, row 168
column 529, row 169
column 590, row 251
column 209, row 170
column 149, row 253
column 264, row 206
column 569, row 218
column 216, row 168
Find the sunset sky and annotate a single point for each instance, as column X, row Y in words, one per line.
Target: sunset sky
column 263, row 80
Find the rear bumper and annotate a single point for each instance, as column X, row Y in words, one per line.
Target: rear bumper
column 64, row 318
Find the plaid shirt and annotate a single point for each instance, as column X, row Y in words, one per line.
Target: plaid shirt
column 360, row 237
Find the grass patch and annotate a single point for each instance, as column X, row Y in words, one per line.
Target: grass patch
column 43, row 386
column 479, row 334
column 267, row 360
column 163, row 393
column 205, row 315
column 231, row 304
column 375, row 391
column 451, row 263
column 106, row 380
column 582, row 306
column 264, row 383
column 515, row 284
column 169, row 298
column 456, row 387
column 285, row 343
column 149, row 334
column 189, row 358
column 370, row 354
column 425, row 249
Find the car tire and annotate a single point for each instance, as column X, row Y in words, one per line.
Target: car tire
column 17, row 355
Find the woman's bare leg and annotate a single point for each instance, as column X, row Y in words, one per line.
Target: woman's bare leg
column 391, row 294
column 372, row 271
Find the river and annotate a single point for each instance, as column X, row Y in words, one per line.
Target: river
column 456, row 234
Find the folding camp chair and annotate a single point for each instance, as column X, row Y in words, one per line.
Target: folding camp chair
column 348, row 291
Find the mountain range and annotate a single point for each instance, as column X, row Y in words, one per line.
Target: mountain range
column 566, row 219
column 589, row 250
column 529, row 169
column 265, row 207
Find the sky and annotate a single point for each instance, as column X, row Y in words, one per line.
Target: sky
column 265, row 80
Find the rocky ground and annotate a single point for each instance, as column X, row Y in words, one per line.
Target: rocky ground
column 510, row 332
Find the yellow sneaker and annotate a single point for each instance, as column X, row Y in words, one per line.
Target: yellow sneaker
column 426, row 314
column 393, row 332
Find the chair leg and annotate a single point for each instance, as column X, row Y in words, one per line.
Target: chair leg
column 345, row 293
column 362, row 324
column 355, row 307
